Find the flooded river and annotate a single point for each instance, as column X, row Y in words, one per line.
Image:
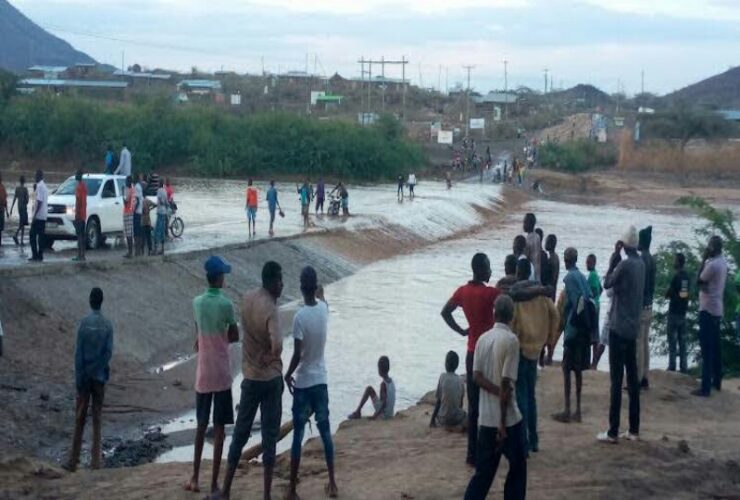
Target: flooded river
column 392, row 307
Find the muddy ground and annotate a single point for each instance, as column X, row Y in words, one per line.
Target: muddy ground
column 690, row 449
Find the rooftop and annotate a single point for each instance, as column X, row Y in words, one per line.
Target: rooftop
column 201, row 84
column 48, row 69
column 496, row 98
column 730, row 114
column 56, row 82
column 150, row 76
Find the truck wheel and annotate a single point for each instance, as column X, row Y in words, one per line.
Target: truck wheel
column 92, row 234
column 48, row 242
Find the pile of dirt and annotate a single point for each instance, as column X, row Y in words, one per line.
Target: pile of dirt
column 573, row 127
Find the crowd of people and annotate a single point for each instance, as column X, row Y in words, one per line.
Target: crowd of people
column 338, row 200
column 512, row 328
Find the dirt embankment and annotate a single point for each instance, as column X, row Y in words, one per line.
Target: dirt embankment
column 690, row 449
column 149, row 303
column 635, row 189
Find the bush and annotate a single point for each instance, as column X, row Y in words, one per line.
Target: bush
column 720, row 222
column 577, row 156
column 207, row 140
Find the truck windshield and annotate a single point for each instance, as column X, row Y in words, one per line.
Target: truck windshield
column 69, row 186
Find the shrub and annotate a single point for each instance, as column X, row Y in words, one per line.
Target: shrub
column 207, row 140
column 577, row 156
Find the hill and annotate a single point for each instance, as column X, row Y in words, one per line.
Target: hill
column 718, row 91
column 585, row 94
column 23, row 43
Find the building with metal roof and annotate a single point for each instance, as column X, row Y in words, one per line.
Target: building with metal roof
column 142, row 75
column 203, row 85
column 732, row 115
column 58, row 82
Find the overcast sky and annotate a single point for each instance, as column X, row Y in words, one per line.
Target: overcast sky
column 676, row 42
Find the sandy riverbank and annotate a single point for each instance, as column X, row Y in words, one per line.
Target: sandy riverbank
column 690, row 449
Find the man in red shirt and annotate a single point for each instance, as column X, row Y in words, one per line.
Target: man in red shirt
column 80, row 216
column 476, row 299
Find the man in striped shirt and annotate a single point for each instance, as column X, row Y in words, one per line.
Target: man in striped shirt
column 216, row 327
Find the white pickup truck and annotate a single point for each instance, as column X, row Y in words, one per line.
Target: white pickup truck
column 104, row 209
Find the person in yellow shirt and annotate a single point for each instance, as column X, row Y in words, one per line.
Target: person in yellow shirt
column 535, row 320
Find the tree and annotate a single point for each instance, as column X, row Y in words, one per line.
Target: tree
column 8, row 82
column 683, row 123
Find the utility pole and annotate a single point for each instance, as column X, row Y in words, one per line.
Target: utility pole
column 403, row 78
column 382, row 73
column 546, row 70
column 383, row 62
column 467, row 101
column 447, row 80
column 123, row 67
column 642, row 81
column 506, row 89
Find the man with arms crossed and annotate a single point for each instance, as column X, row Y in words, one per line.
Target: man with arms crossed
column 495, row 371
column 262, row 367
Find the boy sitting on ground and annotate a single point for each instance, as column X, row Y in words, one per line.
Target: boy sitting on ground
column 448, row 411
column 385, row 403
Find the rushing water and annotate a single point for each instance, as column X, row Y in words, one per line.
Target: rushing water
column 392, row 307
column 213, row 212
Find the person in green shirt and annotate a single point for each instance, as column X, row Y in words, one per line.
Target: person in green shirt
column 594, row 283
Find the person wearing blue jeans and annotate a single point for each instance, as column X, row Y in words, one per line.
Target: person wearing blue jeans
column 307, row 380
column 712, row 279
column 262, row 368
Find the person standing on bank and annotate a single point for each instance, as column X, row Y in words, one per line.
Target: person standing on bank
column 80, row 216
column 40, row 213
column 626, row 279
column 92, row 357
column 476, row 299
column 215, row 328
column 712, row 279
column 309, row 386
column 262, row 387
column 495, row 370
column 678, row 305
column 646, row 318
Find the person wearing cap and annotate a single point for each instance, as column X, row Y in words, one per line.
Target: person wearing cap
column 92, row 370
column 712, row 279
column 306, row 377
column 645, row 237
column 575, row 344
column 262, row 367
column 626, row 279
column 215, row 329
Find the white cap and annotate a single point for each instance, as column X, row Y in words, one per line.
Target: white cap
column 629, row 238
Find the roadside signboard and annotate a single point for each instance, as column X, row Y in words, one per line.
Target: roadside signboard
column 444, row 137
column 477, row 123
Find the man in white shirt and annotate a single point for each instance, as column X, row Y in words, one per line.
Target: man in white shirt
column 412, row 184
column 500, row 428
column 38, row 224
column 124, row 163
column 306, row 377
